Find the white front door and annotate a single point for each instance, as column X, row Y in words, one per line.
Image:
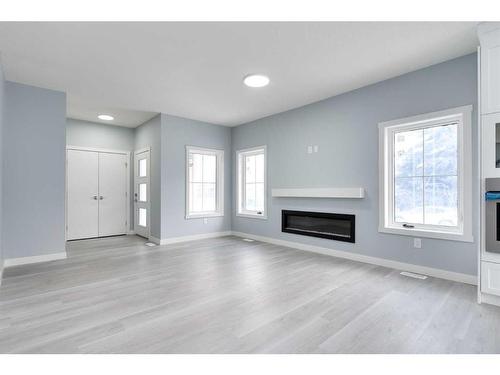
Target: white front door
column 113, row 199
column 142, row 196
column 83, row 194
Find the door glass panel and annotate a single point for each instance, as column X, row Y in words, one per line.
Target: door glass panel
column 142, row 167
column 143, row 193
column 497, row 145
column 143, row 217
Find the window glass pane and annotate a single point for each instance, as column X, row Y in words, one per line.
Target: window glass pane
column 250, row 197
column 143, row 217
column 441, row 204
column 250, row 169
column 196, row 168
column 143, row 193
column 209, row 197
column 196, row 196
column 259, row 168
column 408, row 153
column 143, row 167
column 209, row 168
column 408, row 200
column 259, row 196
column 440, row 151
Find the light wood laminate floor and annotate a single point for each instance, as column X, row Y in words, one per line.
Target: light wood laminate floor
column 225, row 295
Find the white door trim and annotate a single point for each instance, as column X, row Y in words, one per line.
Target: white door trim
column 97, row 149
column 93, row 149
column 144, row 149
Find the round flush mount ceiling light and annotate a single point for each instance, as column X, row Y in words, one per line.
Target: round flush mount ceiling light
column 256, row 80
column 106, row 117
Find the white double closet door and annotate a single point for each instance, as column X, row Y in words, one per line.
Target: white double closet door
column 97, row 194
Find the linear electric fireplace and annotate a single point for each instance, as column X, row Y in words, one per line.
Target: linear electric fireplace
column 338, row 227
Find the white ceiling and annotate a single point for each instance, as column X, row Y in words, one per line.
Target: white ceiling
column 195, row 70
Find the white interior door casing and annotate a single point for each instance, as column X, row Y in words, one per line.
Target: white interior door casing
column 82, row 191
column 142, row 193
column 113, row 199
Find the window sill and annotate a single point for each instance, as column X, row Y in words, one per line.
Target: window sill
column 203, row 216
column 252, row 216
column 450, row 236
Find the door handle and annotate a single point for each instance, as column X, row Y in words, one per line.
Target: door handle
column 101, row 197
column 95, row 197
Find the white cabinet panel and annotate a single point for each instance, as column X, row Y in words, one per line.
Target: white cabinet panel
column 490, row 278
column 490, row 71
column 82, row 190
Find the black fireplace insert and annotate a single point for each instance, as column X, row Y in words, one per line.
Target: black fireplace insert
column 340, row 227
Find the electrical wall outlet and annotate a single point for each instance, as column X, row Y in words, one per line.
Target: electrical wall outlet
column 309, row 149
column 316, row 148
column 417, row 243
column 205, row 220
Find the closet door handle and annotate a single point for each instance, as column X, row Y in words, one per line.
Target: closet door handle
column 101, row 198
column 95, row 197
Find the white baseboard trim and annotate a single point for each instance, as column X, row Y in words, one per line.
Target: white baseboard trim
column 34, row 259
column 168, row 241
column 434, row 272
column 155, row 240
column 489, row 299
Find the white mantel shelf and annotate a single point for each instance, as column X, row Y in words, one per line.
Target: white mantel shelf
column 319, row 193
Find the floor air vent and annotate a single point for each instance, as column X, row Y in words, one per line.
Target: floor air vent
column 413, row 275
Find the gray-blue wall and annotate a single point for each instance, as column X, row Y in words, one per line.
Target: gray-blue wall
column 149, row 135
column 94, row 135
column 91, row 134
column 2, row 99
column 33, row 171
column 345, row 129
column 176, row 134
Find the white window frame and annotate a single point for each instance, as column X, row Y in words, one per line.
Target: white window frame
column 463, row 117
column 240, row 182
column 219, row 182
